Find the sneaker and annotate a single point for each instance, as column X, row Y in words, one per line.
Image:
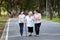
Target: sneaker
column 36, row 35
column 30, row 35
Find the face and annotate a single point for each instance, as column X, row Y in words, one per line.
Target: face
column 35, row 12
column 22, row 12
column 30, row 14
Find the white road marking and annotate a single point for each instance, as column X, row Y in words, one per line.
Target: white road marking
column 3, row 32
column 7, row 30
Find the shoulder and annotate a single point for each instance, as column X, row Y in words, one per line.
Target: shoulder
column 19, row 15
column 23, row 15
column 34, row 14
column 39, row 14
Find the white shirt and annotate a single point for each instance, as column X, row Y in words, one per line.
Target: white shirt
column 37, row 17
column 30, row 22
column 21, row 18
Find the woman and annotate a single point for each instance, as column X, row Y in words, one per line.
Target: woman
column 37, row 21
column 30, row 23
column 21, row 22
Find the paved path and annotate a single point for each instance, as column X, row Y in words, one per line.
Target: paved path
column 48, row 31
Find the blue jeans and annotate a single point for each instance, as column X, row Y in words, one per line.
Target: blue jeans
column 21, row 28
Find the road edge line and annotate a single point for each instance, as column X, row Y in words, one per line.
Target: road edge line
column 4, row 30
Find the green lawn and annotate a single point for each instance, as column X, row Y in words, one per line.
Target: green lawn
column 54, row 19
column 3, row 20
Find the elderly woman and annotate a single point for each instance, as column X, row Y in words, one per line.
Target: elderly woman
column 30, row 23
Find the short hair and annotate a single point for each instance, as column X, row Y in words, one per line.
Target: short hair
column 30, row 12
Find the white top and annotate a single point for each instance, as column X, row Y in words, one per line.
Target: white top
column 21, row 18
column 30, row 22
column 37, row 18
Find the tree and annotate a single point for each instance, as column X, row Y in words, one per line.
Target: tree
column 58, row 8
column 41, row 4
column 50, row 9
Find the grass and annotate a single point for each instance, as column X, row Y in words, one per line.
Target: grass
column 54, row 19
column 3, row 20
column 44, row 17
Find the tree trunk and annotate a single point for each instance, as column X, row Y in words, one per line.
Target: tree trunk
column 50, row 9
column 0, row 8
column 58, row 8
column 51, row 13
column 59, row 13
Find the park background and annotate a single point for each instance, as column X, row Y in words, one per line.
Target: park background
column 50, row 9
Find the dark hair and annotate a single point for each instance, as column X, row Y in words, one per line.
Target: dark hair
column 37, row 11
column 19, row 13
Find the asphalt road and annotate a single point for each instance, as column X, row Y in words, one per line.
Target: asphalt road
column 48, row 31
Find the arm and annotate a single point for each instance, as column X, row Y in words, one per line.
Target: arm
column 25, row 20
column 39, row 18
column 34, row 19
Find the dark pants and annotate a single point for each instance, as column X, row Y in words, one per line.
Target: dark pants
column 37, row 27
column 21, row 28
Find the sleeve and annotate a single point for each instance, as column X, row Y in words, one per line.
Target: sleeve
column 18, row 16
column 33, row 17
column 40, row 16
